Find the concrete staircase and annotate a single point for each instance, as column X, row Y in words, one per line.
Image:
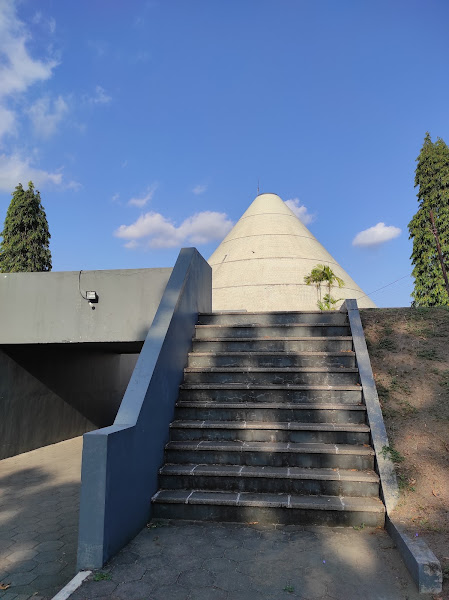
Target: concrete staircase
column 270, row 425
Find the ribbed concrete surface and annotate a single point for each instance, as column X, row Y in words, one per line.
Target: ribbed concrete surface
column 262, row 262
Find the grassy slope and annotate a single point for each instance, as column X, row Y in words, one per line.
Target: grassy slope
column 409, row 351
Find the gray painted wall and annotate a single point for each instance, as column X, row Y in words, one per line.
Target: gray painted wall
column 121, row 462
column 53, row 393
column 32, row 415
column 47, row 308
column 64, row 367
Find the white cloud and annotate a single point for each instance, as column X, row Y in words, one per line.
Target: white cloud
column 39, row 19
column 46, row 115
column 14, row 169
column 300, row 211
column 199, row 189
column 141, row 201
column 7, row 121
column 73, row 185
column 18, row 70
column 100, row 96
column 156, row 231
column 379, row 234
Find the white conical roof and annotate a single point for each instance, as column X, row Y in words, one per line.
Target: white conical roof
column 262, row 262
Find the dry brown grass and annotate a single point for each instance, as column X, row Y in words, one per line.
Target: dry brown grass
column 409, row 351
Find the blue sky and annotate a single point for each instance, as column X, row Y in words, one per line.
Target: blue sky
column 147, row 125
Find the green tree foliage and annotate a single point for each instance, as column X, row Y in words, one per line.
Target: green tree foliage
column 324, row 274
column 25, row 244
column 432, row 180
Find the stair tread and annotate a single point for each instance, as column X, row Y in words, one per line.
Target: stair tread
column 300, row 448
column 265, row 312
column 271, row 472
column 264, row 386
column 336, row 503
column 275, row 338
column 274, row 353
column 263, row 325
column 332, row 369
column 265, row 405
column 287, row 425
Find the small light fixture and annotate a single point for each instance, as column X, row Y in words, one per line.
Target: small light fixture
column 92, row 297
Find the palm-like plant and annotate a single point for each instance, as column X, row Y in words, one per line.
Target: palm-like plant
column 324, row 274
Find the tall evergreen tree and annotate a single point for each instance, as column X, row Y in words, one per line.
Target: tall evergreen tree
column 432, row 180
column 26, row 237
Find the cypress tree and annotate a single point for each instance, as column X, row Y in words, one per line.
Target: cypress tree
column 432, row 180
column 25, row 244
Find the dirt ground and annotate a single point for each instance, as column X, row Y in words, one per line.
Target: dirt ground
column 409, row 351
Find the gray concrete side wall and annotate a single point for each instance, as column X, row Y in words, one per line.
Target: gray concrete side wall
column 379, row 438
column 52, row 393
column 32, row 415
column 48, row 308
column 121, row 462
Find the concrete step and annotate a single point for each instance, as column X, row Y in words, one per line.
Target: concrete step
column 276, row 375
column 272, row 359
column 272, row 318
column 269, row 411
column 273, row 480
column 270, row 331
column 268, row 508
column 263, row 431
column 271, row 454
column 279, row 344
column 240, row 392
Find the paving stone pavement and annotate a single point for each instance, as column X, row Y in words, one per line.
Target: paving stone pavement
column 181, row 560
column 39, row 503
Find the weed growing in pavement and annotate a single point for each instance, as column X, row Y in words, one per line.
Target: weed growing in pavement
column 359, row 527
column 156, row 524
column 289, row 588
column 102, row 576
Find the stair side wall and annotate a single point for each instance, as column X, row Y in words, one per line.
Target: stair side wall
column 120, row 463
column 31, row 414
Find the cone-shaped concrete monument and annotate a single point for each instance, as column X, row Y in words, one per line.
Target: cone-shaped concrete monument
column 262, row 262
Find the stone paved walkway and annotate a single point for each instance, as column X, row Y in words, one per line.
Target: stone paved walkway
column 39, row 500
column 208, row 561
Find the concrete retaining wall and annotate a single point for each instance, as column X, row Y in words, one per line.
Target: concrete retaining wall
column 121, row 462
column 49, row 308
